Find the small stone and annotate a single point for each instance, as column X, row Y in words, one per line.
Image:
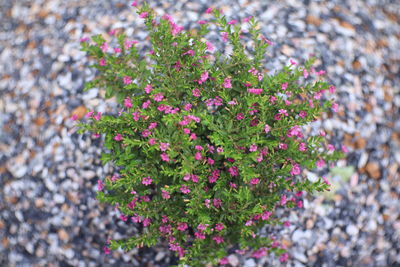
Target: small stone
column 300, row 256
column 40, row 252
column 310, row 223
column 363, row 160
column 233, row 260
column 310, row 19
column 79, row 111
column 360, row 143
column 250, row 263
column 160, row 255
column 63, row 235
column 58, row 198
column 345, row 252
column 352, row 230
column 39, row 203
column 372, row 169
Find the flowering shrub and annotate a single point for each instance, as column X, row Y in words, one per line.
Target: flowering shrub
column 209, row 146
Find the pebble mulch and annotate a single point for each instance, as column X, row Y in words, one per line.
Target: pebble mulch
column 48, row 212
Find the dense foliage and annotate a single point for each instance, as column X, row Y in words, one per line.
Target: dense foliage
column 208, row 145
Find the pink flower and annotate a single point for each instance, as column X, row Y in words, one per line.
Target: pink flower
column 97, row 116
column 332, row 89
column 265, row 216
column 249, row 223
column 232, row 185
column 254, row 181
column 147, row 180
column 219, row 227
column 189, row 52
column 201, row 22
column 232, row 22
column 220, row 149
column 123, row 217
column 217, row 202
column 284, row 257
column 185, row 189
column 284, row 86
column 128, row 102
column 182, row 226
column 253, row 148
column 203, row 77
column 255, row 91
column 136, row 218
column 225, row 36
column 218, row 239
column 240, row 116
column 165, row 194
column 148, row 88
column 300, row 204
column 305, row 73
column 267, row 128
column 344, row 149
column 283, row 112
column 143, row 15
column 136, row 116
column 193, row 136
column 146, row 133
column 200, row 235
column 146, row 222
column 224, row 261
column 266, row 40
column 187, row 107
column 106, row 250
column 198, row 156
column 196, row 92
column 118, row 137
column 164, row 157
column 259, row 253
column 331, row 147
column 234, row 171
column 335, row 107
column 302, row 147
column 210, row 47
column 152, row 125
column 209, row 10
column 303, row 114
column 295, row 169
column 292, row 62
column 104, row 47
column 100, row 185
column 227, row 83
column 283, row 146
column 146, row 104
column 283, row 200
column 164, row 146
column 84, row 39
column 247, row 19
column 102, row 62
column 233, row 102
column 134, row 3
column 74, row 117
column 186, row 130
column 127, row 80
column 320, row 163
column 158, row 97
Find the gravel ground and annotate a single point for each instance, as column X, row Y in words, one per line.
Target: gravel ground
column 48, row 212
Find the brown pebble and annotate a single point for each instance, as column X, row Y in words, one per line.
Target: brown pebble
column 63, row 235
column 39, row 203
column 361, row 143
column 373, row 170
column 79, row 111
column 310, row 19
